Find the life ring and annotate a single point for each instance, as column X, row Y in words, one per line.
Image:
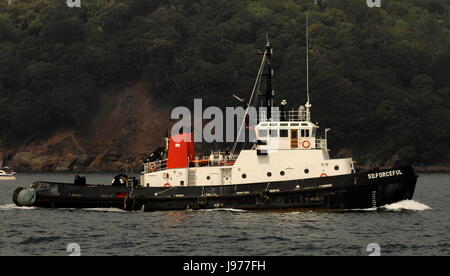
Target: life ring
column 324, row 175
column 167, row 185
column 152, row 166
column 306, row 144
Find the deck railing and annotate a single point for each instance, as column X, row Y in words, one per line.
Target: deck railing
column 213, row 160
column 321, row 144
column 289, row 116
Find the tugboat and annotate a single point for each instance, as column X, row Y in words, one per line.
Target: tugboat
column 287, row 168
column 7, row 174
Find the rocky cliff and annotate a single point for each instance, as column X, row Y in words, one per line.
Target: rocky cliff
column 128, row 125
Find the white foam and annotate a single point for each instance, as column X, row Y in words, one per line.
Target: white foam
column 14, row 207
column 410, row 205
column 405, row 205
column 223, row 209
column 114, row 210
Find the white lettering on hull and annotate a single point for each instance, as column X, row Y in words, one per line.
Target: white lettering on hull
column 326, row 186
column 384, row 174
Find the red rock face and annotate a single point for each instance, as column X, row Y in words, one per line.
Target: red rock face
column 128, row 125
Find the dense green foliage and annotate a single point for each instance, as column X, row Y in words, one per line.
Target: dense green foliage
column 379, row 77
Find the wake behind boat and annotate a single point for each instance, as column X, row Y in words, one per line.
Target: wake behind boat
column 7, row 174
column 288, row 167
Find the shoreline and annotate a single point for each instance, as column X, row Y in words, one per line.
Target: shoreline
column 432, row 170
column 418, row 169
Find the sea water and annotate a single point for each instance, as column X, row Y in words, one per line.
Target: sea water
column 416, row 227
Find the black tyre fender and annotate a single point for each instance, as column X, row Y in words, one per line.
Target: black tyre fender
column 16, row 195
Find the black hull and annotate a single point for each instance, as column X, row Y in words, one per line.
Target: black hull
column 360, row 191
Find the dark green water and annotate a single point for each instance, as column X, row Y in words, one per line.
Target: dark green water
column 419, row 227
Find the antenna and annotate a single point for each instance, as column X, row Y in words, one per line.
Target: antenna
column 307, row 57
column 308, row 104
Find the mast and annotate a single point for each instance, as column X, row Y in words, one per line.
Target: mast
column 308, row 103
column 255, row 88
column 269, row 75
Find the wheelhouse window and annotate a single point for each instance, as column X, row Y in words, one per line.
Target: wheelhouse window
column 304, row 133
column 273, row 133
column 262, row 133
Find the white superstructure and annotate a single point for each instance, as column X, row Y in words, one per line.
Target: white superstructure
column 287, row 149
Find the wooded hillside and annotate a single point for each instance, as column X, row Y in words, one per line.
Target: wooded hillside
column 379, row 76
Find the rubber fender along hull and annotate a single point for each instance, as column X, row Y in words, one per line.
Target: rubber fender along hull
column 353, row 191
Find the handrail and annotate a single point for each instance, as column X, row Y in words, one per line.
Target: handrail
column 321, row 144
column 205, row 161
column 289, row 116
